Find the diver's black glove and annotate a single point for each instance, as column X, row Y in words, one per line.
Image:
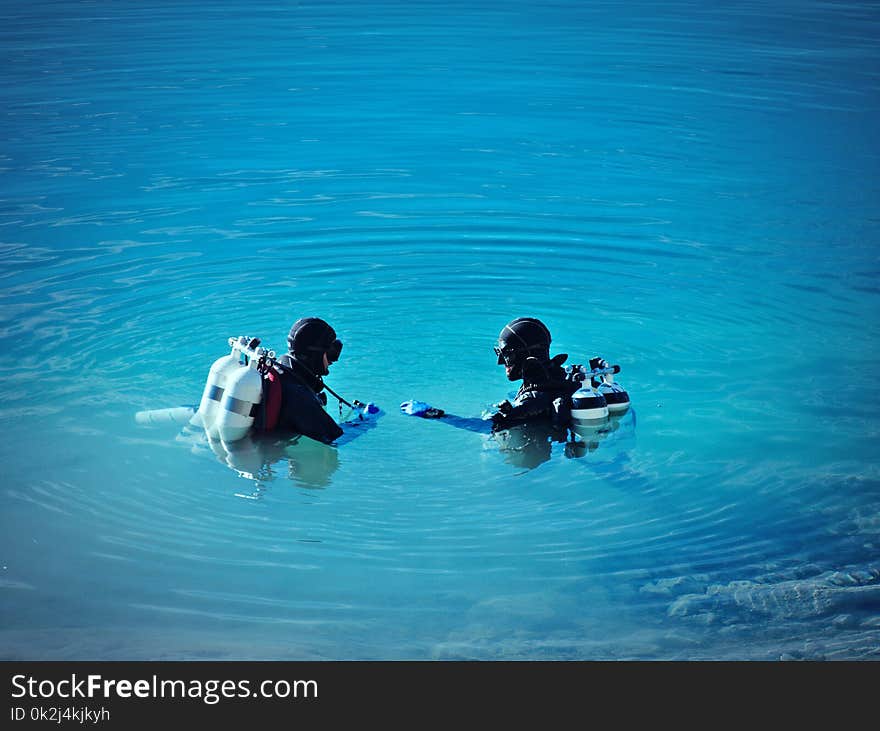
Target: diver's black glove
column 597, row 362
column 504, row 408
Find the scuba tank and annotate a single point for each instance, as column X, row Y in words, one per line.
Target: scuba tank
column 615, row 395
column 597, row 382
column 588, row 406
column 209, row 406
column 244, row 391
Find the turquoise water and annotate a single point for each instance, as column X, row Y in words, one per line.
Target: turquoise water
column 688, row 190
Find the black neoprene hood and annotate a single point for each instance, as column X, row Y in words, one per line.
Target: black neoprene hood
column 525, row 334
column 309, row 335
column 309, row 339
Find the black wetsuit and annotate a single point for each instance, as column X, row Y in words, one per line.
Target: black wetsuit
column 302, row 404
column 544, row 393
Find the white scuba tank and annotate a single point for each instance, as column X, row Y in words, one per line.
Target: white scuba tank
column 209, row 406
column 243, row 392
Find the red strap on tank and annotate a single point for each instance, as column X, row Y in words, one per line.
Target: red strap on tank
column 272, row 394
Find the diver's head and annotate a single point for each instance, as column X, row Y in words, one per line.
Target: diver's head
column 313, row 343
column 522, row 338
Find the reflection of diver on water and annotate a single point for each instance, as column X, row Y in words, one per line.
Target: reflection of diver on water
column 530, row 444
column 258, row 411
column 575, row 406
column 527, row 444
column 262, row 459
column 266, row 457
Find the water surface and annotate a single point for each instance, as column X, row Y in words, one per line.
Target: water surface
column 688, row 190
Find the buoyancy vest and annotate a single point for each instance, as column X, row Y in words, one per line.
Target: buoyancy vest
column 266, row 418
column 274, row 373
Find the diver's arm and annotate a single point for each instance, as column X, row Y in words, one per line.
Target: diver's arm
column 301, row 412
column 530, row 405
column 426, row 411
column 470, row 423
column 321, row 427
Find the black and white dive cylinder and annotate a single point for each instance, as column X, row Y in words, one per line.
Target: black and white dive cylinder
column 588, row 405
column 599, row 395
column 615, row 395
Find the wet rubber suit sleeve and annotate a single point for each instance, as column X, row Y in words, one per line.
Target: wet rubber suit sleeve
column 303, row 412
column 528, row 405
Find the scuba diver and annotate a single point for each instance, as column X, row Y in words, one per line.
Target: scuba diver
column 256, row 408
column 251, row 392
column 523, row 349
column 553, row 404
column 313, row 347
column 540, row 413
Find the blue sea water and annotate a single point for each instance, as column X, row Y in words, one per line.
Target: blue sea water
column 687, row 189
